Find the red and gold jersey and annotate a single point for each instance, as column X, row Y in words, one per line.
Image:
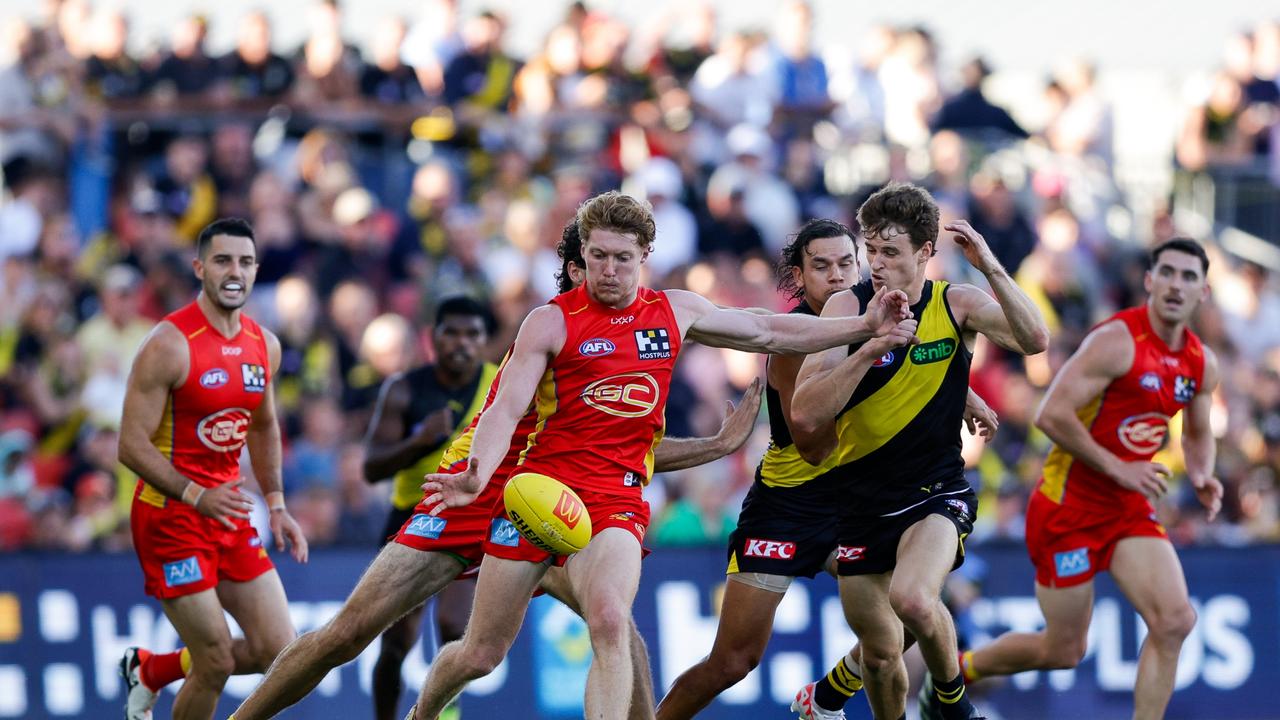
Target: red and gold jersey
column 1130, row 418
column 206, row 419
column 600, row 405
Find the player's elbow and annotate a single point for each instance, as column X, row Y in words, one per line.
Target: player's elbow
column 1037, row 343
column 1046, row 421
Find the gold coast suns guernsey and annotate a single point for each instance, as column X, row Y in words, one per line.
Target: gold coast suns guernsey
column 601, row 403
column 1130, row 418
column 899, row 434
column 206, row 419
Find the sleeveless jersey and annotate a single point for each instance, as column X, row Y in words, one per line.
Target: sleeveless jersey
column 456, row 454
column 782, row 465
column 206, row 419
column 1130, row 418
column 427, row 395
column 899, row 434
column 600, row 405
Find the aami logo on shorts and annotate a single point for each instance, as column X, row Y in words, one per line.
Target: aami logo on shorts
column 772, row 549
column 628, row 395
column 1143, row 434
column 502, row 532
column 183, row 572
column 1150, row 382
column 427, row 526
column 1071, row 562
column 846, row 553
column 568, row 509
column 596, row 347
column 932, row 352
column 214, row 378
column 884, row 360
column 225, row 430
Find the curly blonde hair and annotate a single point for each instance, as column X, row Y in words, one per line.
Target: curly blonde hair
column 620, row 213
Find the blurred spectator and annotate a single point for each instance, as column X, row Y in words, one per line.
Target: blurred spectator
column 388, row 80
column 252, row 72
column 327, row 68
column 313, row 457
column 969, row 111
column 186, row 70
column 30, row 126
column 111, row 74
column 994, row 212
column 770, row 203
column 729, row 87
column 432, row 43
column 480, row 76
column 186, row 190
column 677, row 237
column 800, row 73
column 108, row 341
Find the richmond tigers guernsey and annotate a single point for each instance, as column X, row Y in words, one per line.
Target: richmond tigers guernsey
column 899, row 434
column 600, row 404
column 206, row 419
column 1130, row 418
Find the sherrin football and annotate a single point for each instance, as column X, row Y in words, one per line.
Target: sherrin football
column 547, row 513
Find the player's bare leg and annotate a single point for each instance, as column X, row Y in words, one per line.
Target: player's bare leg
column 605, row 576
column 556, row 584
column 397, row 640
column 262, row 611
column 502, row 598
column 202, row 627
column 1148, row 572
column 399, row 580
column 865, row 599
column 1060, row 645
column 746, row 622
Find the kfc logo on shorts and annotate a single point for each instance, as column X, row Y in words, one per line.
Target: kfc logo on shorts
column 1150, row 382
column 503, row 532
column 771, row 549
column 1143, row 434
column 215, row 378
column 1071, row 562
column 225, row 430
column 596, row 347
column 426, row 526
column 182, row 572
column 884, row 360
column 845, row 553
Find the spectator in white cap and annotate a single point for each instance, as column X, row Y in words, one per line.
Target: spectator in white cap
column 770, row 203
column 676, row 241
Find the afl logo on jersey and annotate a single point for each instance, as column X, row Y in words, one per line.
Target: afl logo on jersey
column 1150, row 382
column 628, row 395
column 883, row 360
column 225, row 430
column 215, row 378
column 596, row 347
column 1143, row 434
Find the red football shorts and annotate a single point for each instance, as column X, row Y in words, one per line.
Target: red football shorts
column 457, row 531
column 629, row 512
column 1070, row 545
column 183, row 552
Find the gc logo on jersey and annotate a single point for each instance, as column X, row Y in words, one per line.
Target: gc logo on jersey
column 653, row 344
column 596, row 347
column 1143, row 434
column 255, row 377
column 225, row 430
column 627, row 395
column 1184, row 388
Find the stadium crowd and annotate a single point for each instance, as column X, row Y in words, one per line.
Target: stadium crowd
column 381, row 180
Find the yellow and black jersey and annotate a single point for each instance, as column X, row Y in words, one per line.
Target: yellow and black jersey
column 427, row 395
column 899, row 434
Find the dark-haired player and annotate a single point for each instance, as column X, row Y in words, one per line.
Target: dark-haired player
column 199, row 392
column 1108, row 412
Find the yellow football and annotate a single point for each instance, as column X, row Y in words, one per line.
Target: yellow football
column 547, row 513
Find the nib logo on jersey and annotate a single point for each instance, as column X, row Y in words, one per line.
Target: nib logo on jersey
column 653, row 344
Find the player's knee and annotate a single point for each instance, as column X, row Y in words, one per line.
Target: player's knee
column 1064, row 654
column 880, row 658
column 913, row 606
column 609, row 625
column 480, row 659
column 1172, row 624
column 735, row 665
column 213, row 665
column 343, row 640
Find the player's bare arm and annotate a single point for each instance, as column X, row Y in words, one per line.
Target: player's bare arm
column 160, row 366
column 815, row 444
column 1106, row 354
column 1198, row 446
column 389, row 447
column 701, row 321
column 679, row 453
column 263, row 441
column 539, row 339
column 1010, row 320
column 979, row 417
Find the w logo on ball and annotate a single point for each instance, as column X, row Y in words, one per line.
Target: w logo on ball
column 569, row 509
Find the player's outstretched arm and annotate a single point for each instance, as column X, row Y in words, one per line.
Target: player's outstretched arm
column 827, row 379
column 160, row 366
column 790, row 333
column 540, row 338
column 1198, row 445
column 679, row 453
column 391, row 447
column 1011, row 320
column 1106, row 354
column 263, row 440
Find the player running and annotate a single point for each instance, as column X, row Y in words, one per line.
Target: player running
column 417, row 415
column 198, row 392
column 898, row 412
column 787, row 527
column 1108, row 412
column 429, row 552
column 596, row 363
